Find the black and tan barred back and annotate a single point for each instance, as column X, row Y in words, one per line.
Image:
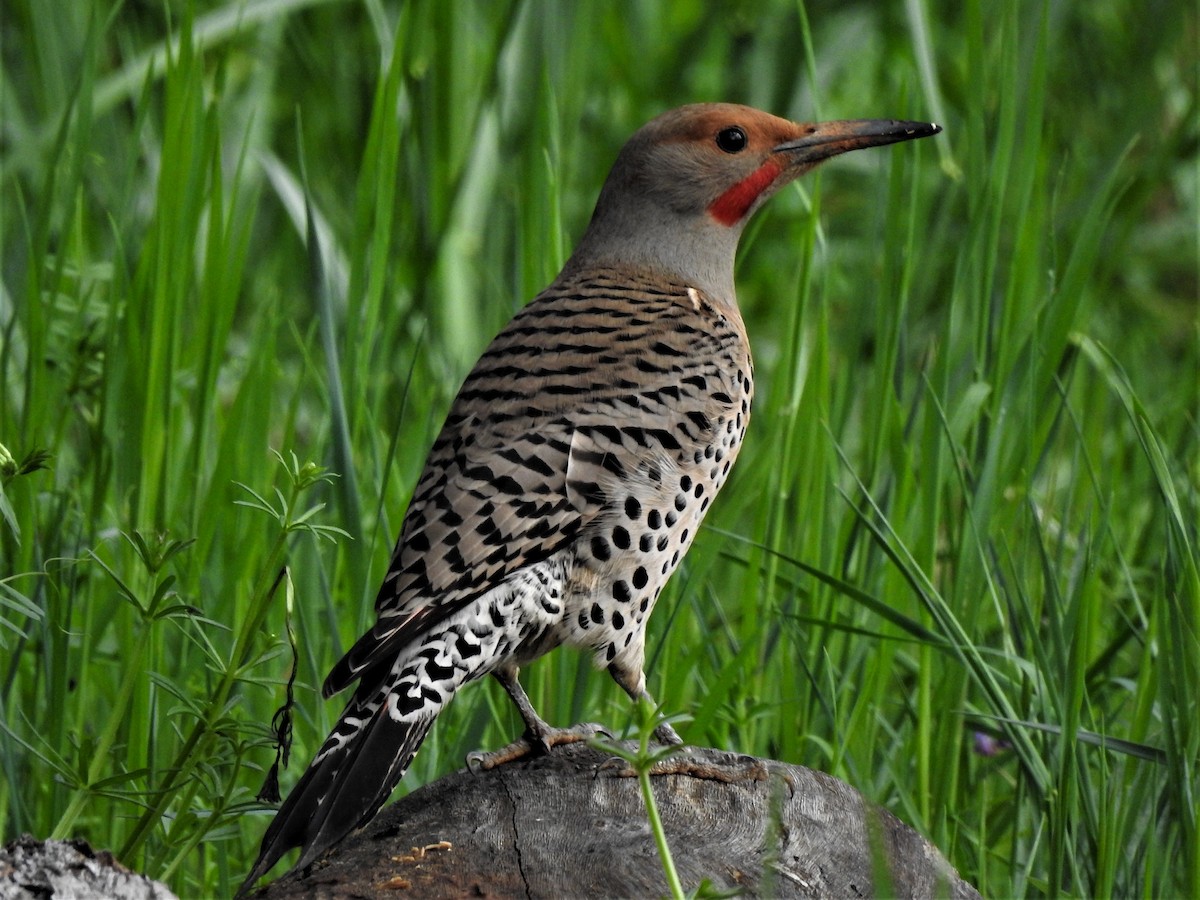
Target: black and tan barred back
column 598, row 425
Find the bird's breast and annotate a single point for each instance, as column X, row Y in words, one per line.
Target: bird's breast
column 664, row 425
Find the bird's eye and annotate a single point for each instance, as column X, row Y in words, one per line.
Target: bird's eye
column 731, row 139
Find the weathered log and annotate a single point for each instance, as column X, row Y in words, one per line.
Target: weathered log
column 70, row 870
column 573, row 824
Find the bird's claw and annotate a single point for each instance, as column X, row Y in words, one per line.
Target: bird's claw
column 485, row 760
column 476, row 762
column 541, row 743
column 585, row 731
column 613, row 762
column 666, row 735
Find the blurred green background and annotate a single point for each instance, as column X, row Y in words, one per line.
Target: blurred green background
column 956, row 565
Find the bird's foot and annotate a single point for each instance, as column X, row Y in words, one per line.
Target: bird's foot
column 684, row 762
column 666, row 735
column 530, row 743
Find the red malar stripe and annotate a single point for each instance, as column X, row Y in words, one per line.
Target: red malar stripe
column 732, row 205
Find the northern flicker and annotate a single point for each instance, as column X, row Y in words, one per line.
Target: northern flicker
column 576, row 463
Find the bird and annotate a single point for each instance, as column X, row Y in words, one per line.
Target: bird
column 576, row 462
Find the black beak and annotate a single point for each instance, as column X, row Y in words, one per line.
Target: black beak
column 827, row 139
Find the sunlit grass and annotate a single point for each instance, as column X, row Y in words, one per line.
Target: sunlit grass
column 956, row 565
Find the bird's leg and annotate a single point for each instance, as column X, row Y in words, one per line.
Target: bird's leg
column 680, row 762
column 540, row 736
column 633, row 681
column 664, row 733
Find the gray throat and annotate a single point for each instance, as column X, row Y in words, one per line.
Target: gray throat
column 693, row 248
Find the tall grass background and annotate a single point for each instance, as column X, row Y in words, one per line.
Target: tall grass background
column 957, row 563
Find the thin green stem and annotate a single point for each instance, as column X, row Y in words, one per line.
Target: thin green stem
column 133, row 674
column 191, row 751
column 660, row 835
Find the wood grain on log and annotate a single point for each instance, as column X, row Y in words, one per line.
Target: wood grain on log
column 573, row 824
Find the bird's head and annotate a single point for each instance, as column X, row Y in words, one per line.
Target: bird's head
column 686, row 183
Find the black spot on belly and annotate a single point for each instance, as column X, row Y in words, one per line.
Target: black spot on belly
column 620, row 538
column 600, row 548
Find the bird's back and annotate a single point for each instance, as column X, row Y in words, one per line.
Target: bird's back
column 595, row 429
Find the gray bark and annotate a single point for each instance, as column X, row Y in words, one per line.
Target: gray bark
column 70, row 870
column 573, row 824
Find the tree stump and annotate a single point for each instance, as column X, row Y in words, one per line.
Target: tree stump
column 573, row 824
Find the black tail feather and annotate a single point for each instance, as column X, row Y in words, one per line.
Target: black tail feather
column 342, row 792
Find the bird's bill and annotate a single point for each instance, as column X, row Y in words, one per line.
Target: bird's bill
column 826, row 139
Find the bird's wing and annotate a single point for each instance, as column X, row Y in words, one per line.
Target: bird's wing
column 493, row 499
column 564, row 405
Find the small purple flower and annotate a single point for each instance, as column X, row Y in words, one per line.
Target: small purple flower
column 987, row 745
